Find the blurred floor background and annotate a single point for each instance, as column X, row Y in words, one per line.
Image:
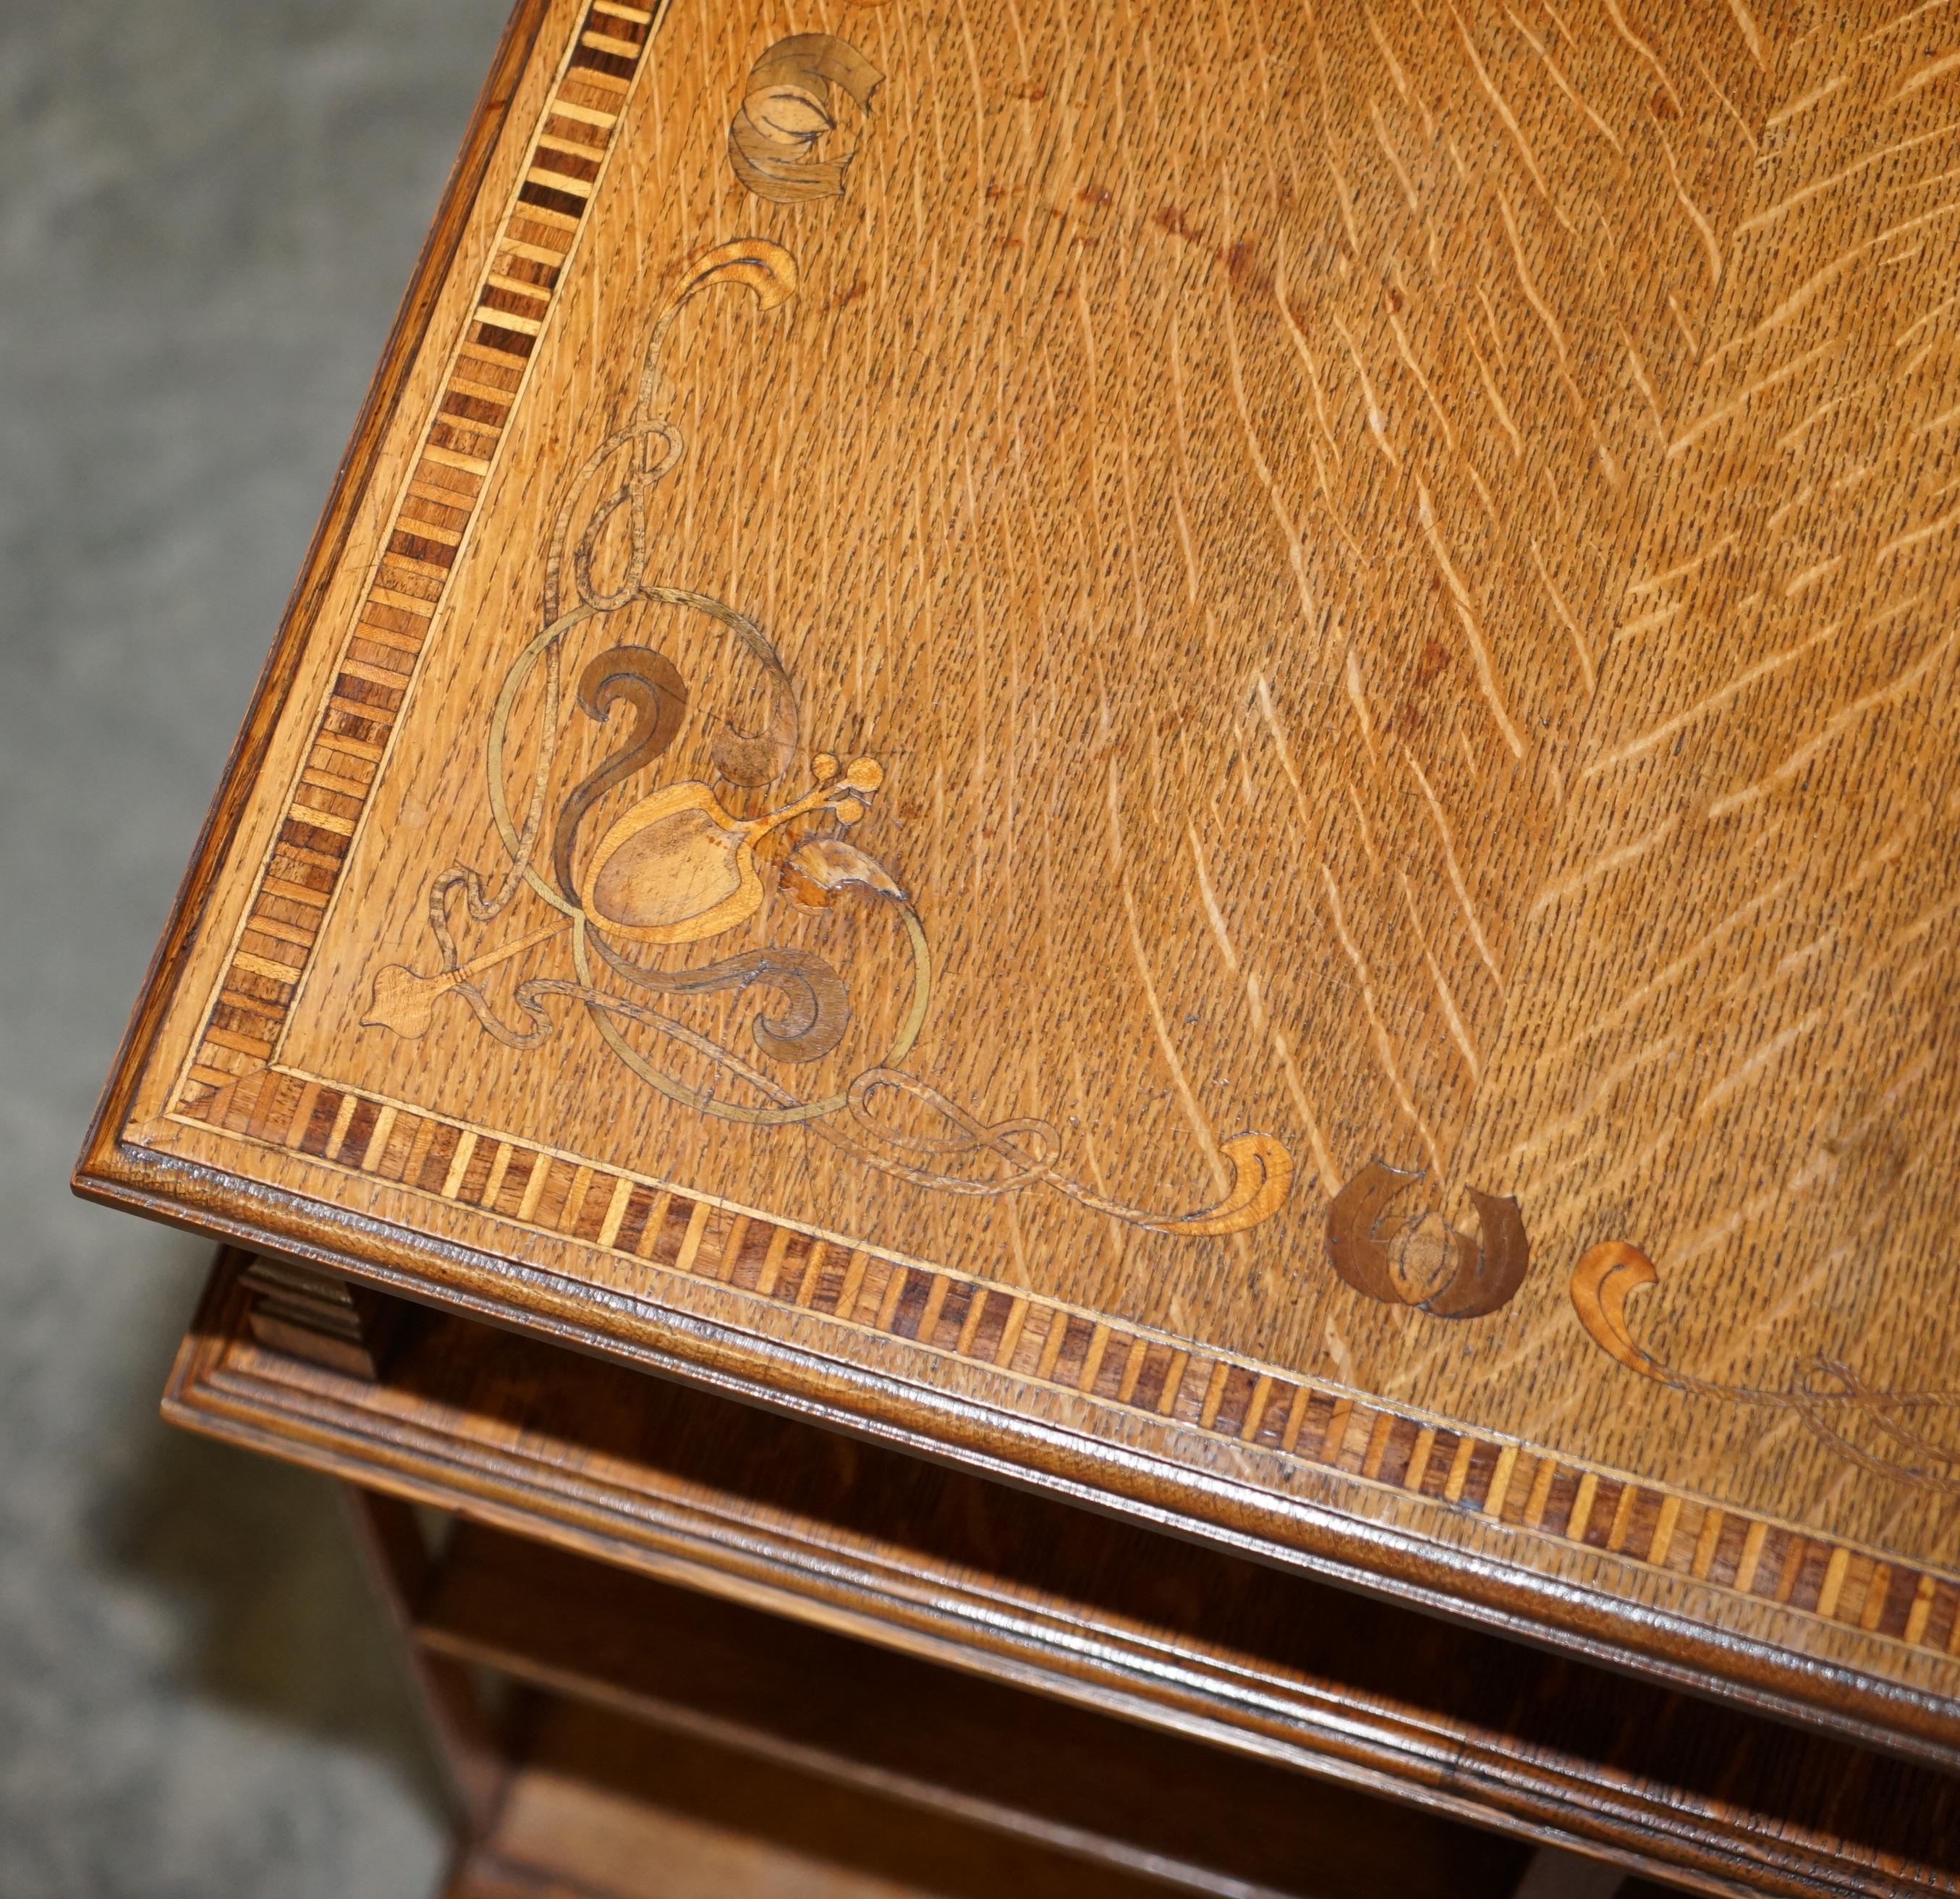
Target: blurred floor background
column 211, row 208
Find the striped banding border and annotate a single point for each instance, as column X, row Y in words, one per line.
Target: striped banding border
column 636, row 1218
column 230, row 1085
column 432, row 514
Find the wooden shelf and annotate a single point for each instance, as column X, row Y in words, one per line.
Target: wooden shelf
column 895, row 1729
column 1139, row 824
column 1284, row 854
column 654, row 1477
column 600, row 1804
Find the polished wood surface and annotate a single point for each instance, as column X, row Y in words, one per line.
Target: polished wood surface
column 946, row 1566
column 905, row 1732
column 1202, row 754
column 601, row 1806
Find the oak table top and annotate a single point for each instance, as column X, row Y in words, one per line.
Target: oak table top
column 1201, row 755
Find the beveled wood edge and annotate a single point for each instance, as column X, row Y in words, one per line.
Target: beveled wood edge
column 949, row 1620
column 469, row 1612
column 1423, row 1468
column 1002, row 1635
column 352, row 476
column 1389, row 1560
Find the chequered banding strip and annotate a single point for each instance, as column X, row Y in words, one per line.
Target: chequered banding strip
column 432, row 517
column 228, row 1084
column 638, row 1220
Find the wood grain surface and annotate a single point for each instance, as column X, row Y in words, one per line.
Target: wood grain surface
column 1204, row 750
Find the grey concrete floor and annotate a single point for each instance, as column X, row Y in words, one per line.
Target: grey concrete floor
column 210, row 208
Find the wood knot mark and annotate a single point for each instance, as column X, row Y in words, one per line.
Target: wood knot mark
column 1249, row 277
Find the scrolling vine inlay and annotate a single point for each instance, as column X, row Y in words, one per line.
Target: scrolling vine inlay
column 1394, row 590
column 1882, row 1431
column 677, row 867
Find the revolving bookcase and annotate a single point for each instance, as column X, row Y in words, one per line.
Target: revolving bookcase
column 1195, row 761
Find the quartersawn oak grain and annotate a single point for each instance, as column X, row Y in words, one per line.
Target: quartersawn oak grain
column 1200, row 754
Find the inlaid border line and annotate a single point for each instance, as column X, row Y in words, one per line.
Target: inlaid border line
column 1394, row 1449
column 229, row 1085
column 435, row 512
